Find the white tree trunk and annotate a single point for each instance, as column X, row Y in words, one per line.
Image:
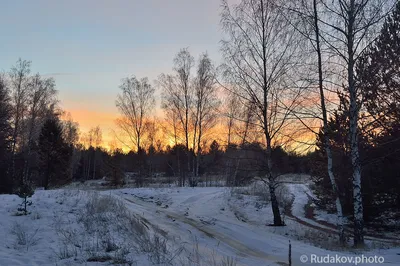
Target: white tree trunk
column 339, row 209
column 357, row 196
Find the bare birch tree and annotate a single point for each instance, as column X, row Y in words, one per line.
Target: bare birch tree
column 19, row 78
column 171, row 129
column 308, row 13
column 205, row 105
column 41, row 96
column 261, row 53
column 348, row 26
column 135, row 105
column 177, row 94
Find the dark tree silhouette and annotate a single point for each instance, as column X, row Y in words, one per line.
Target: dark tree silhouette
column 54, row 153
column 5, row 144
column 378, row 75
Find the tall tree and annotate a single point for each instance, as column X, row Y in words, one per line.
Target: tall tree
column 178, row 94
column 261, row 55
column 135, row 104
column 348, row 26
column 205, row 105
column 6, row 185
column 41, row 97
column 19, row 79
column 71, row 137
column 308, row 13
column 328, row 151
column 54, row 154
column 378, row 75
column 172, row 130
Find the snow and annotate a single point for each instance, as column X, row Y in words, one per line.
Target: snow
column 200, row 224
column 302, row 194
column 46, row 205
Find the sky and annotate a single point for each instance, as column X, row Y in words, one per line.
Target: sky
column 88, row 46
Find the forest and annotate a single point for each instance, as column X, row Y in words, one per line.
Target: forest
column 306, row 87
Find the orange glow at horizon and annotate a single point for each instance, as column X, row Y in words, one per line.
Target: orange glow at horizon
column 107, row 122
column 89, row 119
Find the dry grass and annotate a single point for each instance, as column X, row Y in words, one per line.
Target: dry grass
column 25, row 237
column 108, row 230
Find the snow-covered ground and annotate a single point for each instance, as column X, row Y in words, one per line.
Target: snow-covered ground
column 171, row 226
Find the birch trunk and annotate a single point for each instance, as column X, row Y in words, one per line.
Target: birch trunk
column 339, row 209
column 353, row 117
column 272, row 186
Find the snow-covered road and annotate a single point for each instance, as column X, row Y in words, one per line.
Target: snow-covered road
column 215, row 222
column 228, row 238
column 205, row 214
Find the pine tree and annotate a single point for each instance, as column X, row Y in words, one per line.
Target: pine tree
column 25, row 191
column 5, row 133
column 54, row 154
column 378, row 74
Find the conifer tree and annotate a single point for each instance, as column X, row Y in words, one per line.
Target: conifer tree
column 54, row 154
column 378, row 73
column 5, row 132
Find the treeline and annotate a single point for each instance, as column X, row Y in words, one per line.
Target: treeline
column 235, row 165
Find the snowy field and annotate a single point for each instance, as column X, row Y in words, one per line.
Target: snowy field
column 172, row 226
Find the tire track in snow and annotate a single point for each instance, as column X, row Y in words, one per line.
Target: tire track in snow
column 324, row 226
column 242, row 249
